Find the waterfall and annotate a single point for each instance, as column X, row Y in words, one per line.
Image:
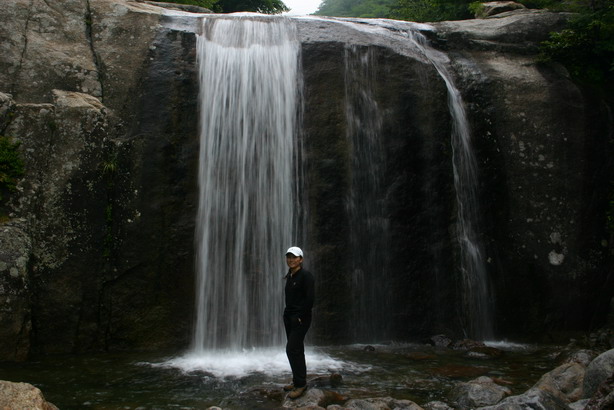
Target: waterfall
column 477, row 297
column 366, row 199
column 476, row 292
column 248, row 178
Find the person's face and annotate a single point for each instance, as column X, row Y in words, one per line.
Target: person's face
column 294, row 262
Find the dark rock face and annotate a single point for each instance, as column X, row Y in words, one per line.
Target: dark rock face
column 103, row 226
column 99, row 180
column 543, row 145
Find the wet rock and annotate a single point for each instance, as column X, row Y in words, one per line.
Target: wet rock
column 369, row 348
column 467, row 344
column 62, row 199
column 482, row 391
column 436, row 405
column 15, row 291
column 310, row 399
column 532, row 399
column 603, row 399
column 22, row 396
column 271, row 394
column 381, row 403
column 597, row 372
column 567, row 379
column 583, row 357
column 7, row 106
column 440, row 341
column 602, row 339
column 332, row 398
column 579, row 405
column 336, row 380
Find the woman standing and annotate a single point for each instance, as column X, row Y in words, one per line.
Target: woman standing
column 299, row 292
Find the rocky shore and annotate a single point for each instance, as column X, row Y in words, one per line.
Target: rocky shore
column 584, row 379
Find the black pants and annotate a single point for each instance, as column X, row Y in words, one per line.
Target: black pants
column 295, row 348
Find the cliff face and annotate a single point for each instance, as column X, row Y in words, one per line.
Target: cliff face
column 103, row 102
column 102, row 96
column 544, row 146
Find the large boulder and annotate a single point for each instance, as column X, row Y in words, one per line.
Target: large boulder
column 479, row 392
column 22, row 396
column 531, row 399
column 567, row 379
column 380, row 403
column 603, row 399
column 597, row 372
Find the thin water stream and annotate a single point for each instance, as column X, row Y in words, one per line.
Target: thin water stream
column 253, row 381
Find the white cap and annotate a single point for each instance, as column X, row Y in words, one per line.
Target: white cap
column 296, row 251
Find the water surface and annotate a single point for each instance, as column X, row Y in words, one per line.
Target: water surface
column 252, row 379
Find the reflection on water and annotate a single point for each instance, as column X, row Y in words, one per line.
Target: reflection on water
column 253, row 379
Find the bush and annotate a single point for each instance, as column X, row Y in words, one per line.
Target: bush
column 208, row 4
column 586, row 46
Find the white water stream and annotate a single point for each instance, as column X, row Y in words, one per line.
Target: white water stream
column 476, row 313
column 248, row 179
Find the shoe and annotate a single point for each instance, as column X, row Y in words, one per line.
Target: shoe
column 297, row 392
column 289, row 387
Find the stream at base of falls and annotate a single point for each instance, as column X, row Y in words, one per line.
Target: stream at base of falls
column 254, row 379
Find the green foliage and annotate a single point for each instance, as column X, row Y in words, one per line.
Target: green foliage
column 432, row 10
column 553, row 5
column 586, row 46
column 231, row 6
column 11, row 166
column 208, row 4
column 477, row 8
column 356, row 8
column 259, row 6
column 413, row 10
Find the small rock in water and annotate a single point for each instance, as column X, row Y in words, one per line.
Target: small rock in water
column 439, row 341
column 369, row 348
column 436, row 405
column 336, row 379
column 485, row 352
column 467, row 344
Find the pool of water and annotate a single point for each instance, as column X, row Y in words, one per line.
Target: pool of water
column 253, row 379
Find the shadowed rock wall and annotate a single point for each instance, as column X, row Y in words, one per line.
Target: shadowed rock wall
column 108, row 199
column 545, row 148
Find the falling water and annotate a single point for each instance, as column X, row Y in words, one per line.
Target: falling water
column 365, row 202
column 477, row 309
column 476, row 289
column 247, row 178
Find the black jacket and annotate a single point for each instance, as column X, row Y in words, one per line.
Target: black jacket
column 300, row 293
